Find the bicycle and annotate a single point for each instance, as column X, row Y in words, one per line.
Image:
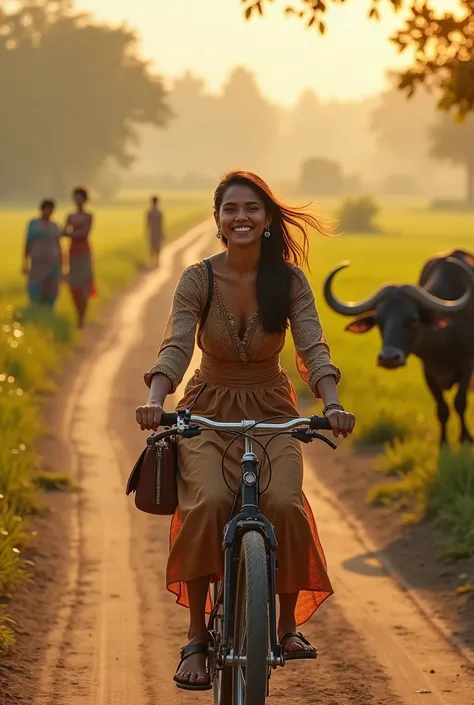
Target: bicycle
column 244, row 646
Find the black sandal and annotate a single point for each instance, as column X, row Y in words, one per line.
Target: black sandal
column 297, row 655
column 187, row 651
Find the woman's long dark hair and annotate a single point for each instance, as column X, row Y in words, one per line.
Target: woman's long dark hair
column 279, row 251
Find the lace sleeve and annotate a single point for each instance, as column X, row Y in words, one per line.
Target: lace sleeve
column 313, row 359
column 177, row 347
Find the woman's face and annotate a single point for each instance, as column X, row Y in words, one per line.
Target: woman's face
column 242, row 217
column 47, row 212
column 78, row 199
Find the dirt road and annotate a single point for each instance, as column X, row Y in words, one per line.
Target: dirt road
column 118, row 632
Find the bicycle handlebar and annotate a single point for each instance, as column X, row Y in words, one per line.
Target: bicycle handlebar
column 315, row 423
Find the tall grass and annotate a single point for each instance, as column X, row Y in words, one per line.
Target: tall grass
column 27, row 355
column 452, row 501
column 33, row 342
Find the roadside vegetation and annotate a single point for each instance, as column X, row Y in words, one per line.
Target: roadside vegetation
column 396, row 414
column 33, row 344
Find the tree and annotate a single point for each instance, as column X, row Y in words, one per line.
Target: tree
column 454, row 142
column 86, row 93
column 442, row 45
column 212, row 133
column 321, row 176
column 249, row 126
column 357, row 215
column 401, row 126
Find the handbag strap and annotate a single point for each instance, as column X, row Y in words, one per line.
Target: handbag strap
column 210, row 292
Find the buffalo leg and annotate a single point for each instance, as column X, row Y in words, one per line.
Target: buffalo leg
column 460, row 404
column 441, row 406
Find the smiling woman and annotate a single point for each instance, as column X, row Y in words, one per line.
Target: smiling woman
column 246, row 210
column 258, row 291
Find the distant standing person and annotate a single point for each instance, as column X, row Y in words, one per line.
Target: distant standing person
column 154, row 227
column 81, row 278
column 42, row 260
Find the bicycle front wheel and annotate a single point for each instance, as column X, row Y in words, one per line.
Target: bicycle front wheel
column 251, row 623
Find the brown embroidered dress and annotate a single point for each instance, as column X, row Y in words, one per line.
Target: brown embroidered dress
column 244, row 380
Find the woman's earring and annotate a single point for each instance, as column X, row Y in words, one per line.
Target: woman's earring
column 219, row 235
column 267, row 232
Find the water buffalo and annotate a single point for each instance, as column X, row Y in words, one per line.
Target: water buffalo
column 433, row 320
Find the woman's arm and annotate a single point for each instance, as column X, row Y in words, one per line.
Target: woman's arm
column 61, row 255
column 79, row 233
column 67, row 227
column 25, row 265
column 177, row 347
column 327, row 389
column 149, row 415
column 160, row 387
column 313, row 356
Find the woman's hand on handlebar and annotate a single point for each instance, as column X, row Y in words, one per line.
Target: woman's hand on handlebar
column 149, row 416
column 342, row 422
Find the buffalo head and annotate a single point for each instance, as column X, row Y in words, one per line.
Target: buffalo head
column 399, row 311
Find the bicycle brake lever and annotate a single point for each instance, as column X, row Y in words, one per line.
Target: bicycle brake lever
column 327, row 441
column 307, row 436
column 302, row 435
column 191, row 431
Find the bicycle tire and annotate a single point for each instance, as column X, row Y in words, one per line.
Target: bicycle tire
column 222, row 677
column 250, row 683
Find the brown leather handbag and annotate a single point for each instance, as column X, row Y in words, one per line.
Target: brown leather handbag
column 153, row 478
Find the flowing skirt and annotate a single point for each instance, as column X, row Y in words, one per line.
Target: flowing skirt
column 81, row 276
column 43, row 282
column 205, row 501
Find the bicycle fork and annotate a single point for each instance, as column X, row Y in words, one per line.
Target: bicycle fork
column 249, row 519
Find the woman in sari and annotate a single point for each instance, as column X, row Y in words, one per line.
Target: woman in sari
column 42, row 260
column 81, row 279
column 259, row 292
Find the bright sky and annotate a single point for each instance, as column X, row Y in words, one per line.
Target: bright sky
column 210, row 37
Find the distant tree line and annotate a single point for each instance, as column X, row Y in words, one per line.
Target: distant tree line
column 79, row 105
column 387, row 144
column 418, row 131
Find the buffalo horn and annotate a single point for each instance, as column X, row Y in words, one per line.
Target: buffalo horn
column 348, row 308
column 436, row 305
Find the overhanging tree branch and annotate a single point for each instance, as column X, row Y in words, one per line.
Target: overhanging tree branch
column 442, row 44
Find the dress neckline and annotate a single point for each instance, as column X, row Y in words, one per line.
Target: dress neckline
column 242, row 340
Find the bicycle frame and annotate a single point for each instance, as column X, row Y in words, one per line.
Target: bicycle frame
column 248, row 519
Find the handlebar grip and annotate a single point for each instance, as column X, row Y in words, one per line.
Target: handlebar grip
column 319, row 423
column 169, row 419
